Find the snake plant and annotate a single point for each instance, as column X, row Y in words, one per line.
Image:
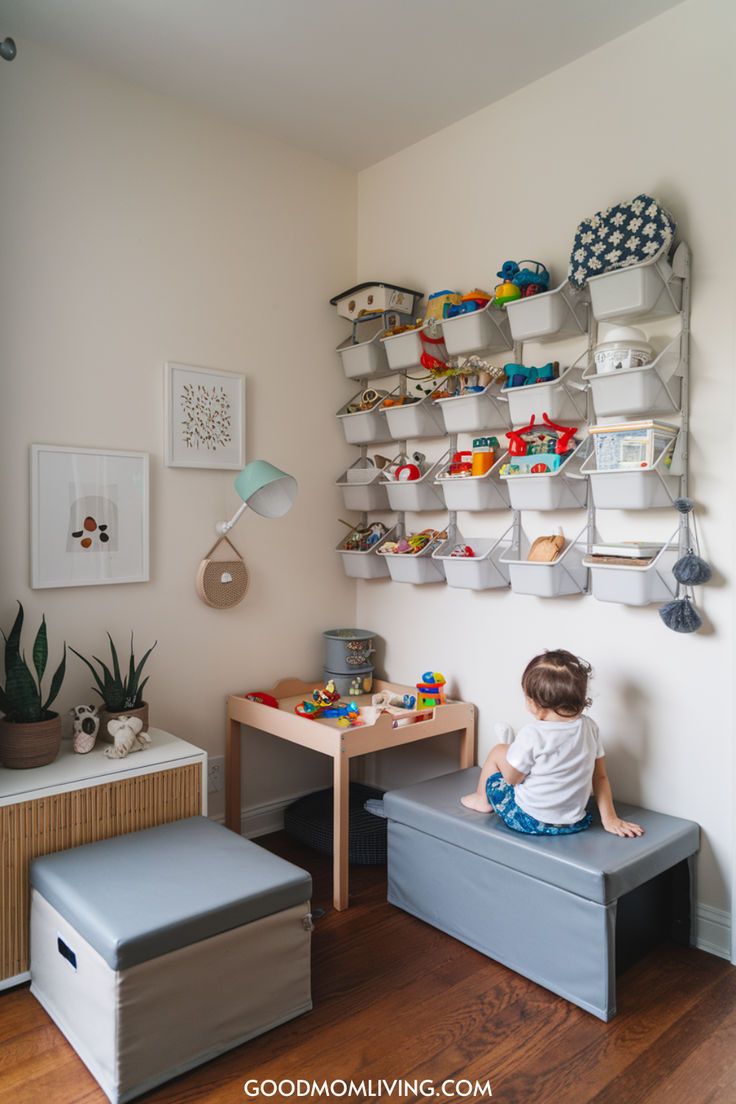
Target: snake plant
column 119, row 692
column 21, row 698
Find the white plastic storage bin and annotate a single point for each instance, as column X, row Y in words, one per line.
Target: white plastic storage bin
column 647, row 489
column 418, row 569
column 417, row 494
column 476, row 492
column 550, row 314
column 486, row 330
column 362, row 488
column 484, row 571
column 418, row 419
column 487, row 409
column 564, row 489
column 654, row 388
column 635, row 586
column 562, row 400
column 404, row 351
column 365, row 565
column 366, row 359
column 644, row 289
column 566, row 575
column 364, row 427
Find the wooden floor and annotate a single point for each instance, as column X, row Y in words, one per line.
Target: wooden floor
column 395, row 998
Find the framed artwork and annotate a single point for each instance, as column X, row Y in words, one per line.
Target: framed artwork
column 205, row 417
column 89, row 516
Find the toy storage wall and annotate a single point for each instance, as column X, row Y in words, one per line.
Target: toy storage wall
column 515, row 179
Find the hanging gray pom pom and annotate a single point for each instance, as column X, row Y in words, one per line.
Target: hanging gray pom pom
column 681, row 616
column 691, row 570
column 683, row 505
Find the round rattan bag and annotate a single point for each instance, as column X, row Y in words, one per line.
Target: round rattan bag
column 222, row 584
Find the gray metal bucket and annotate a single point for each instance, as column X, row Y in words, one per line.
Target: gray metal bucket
column 352, row 685
column 348, row 650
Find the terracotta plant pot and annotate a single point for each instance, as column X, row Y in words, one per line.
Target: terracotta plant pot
column 106, row 716
column 30, row 745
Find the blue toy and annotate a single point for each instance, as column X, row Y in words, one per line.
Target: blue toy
column 518, row 375
column 530, row 277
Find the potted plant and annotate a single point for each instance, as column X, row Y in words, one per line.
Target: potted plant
column 121, row 695
column 30, row 733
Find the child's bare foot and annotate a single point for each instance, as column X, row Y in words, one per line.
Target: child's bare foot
column 477, row 802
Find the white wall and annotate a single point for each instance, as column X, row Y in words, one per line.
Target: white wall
column 134, row 231
column 645, row 113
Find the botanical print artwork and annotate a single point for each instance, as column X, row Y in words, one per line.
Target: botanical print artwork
column 93, row 523
column 89, row 516
column 207, row 417
column 204, row 417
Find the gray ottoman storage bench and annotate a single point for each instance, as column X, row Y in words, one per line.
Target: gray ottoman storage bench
column 158, row 950
column 557, row 909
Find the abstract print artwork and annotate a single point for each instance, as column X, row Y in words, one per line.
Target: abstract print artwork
column 205, row 417
column 89, row 516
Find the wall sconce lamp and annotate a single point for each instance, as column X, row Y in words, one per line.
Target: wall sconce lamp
column 263, row 488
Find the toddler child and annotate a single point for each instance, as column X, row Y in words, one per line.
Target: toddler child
column 540, row 784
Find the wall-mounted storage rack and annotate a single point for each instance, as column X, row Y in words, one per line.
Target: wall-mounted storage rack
column 646, row 292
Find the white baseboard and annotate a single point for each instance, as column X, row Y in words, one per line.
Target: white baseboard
column 713, row 931
column 260, row 820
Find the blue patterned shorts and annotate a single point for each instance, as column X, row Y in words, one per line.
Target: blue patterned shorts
column 503, row 800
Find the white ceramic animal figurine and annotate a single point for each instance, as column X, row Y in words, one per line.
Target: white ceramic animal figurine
column 86, row 727
column 126, row 732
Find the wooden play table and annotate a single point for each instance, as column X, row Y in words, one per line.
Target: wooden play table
column 341, row 744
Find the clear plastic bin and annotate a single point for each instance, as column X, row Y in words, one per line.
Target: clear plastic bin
column 366, row 359
column 564, row 489
column 484, row 571
column 654, row 388
column 636, row 586
column 362, row 488
column 487, row 409
column 476, row 492
column 419, row 419
column 364, row 427
column 365, row 565
column 404, row 351
column 417, row 494
column 418, row 569
column 651, row 488
column 486, row 330
column 566, row 575
column 549, row 315
column 645, row 289
column 562, row 400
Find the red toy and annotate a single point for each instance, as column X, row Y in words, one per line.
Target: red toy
column 563, row 445
column 262, row 698
column 319, row 702
column 461, row 463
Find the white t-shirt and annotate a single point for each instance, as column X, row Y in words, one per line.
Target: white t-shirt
column 558, row 759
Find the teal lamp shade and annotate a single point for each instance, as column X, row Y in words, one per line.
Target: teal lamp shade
column 266, row 489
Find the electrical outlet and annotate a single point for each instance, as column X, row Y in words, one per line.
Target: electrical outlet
column 215, row 774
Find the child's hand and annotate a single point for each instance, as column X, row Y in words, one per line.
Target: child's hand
column 618, row 827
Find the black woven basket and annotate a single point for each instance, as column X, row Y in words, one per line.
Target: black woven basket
column 309, row 820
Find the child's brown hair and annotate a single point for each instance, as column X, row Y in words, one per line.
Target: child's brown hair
column 558, row 681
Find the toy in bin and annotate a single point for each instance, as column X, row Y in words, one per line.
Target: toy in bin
column 431, row 690
column 475, row 300
column 520, row 280
column 363, row 538
column 440, row 302
column 426, row 541
column 537, row 451
column 517, row 375
column 373, row 298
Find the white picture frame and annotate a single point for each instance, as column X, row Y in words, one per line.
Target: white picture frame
column 204, row 417
column 89, row 516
